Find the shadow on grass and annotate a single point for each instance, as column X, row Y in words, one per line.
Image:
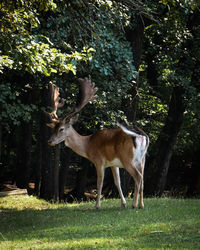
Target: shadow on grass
column 161, row 223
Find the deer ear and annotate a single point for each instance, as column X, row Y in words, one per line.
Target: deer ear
column 74, row 119
column 51, row 125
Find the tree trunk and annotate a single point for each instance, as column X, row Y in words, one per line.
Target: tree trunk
column 49, row 159
column 55, row 172
column 1, row 109
column 46, row 177
column 0, row 141
column 135, row 37
column 24, row 148
column 45, row 188
column 38, row 168
column 1, row 148
column 39, row 153
column 81, row 181
column 159, row 165
column 63, row 171
column 24, row 155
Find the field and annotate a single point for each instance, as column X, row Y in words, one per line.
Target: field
column 165, row 223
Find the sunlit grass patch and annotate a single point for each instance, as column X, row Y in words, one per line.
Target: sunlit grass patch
column 24, row 202
column 66, row 244
column 31, row 223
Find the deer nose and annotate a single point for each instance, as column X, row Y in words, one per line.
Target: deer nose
column 50, row 142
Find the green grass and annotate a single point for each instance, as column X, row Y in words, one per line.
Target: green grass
column 29, row 223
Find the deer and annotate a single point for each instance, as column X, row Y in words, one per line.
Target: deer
column 121, row 147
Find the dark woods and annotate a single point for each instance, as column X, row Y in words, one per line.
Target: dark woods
column 145, row 63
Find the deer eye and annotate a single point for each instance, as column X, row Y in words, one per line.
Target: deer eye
column 61, row 130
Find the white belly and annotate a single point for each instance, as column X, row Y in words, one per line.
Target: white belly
column 114, row 163
column 138, row 155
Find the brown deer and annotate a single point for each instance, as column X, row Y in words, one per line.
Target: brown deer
column 116, row 148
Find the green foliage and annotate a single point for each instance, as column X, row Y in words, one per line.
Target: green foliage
column 114, row 72
column 108, row 61
column 22, row 50
column 163, row 223
column 171, row 50
column 6, row 61
column 21, row 16
column 63, row 40
column 155, row 113
column 14, row 111
column 188, row 139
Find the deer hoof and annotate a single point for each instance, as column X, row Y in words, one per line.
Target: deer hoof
column 141, row 206
column 96, row 207
column 123, row 205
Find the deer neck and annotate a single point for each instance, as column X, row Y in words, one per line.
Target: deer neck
column 77, row 142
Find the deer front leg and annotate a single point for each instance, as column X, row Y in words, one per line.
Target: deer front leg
column 116, row 176
column 100, row 177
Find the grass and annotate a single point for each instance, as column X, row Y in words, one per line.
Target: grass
column 30, row 223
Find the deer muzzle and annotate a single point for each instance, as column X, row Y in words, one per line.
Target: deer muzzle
column 50, row 142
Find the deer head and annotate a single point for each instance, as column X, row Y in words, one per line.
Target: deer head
column 62, row 126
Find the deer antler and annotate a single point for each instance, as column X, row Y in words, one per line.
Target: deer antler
column 56, row 101
column 86, row 94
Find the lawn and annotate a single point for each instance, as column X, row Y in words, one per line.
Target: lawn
column 165, row 223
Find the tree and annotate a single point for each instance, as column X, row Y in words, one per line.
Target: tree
column 179, row 66
column 36, row 52
column 24, row 60
column 142, row 56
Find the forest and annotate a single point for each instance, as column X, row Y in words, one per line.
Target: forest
column 143, row 56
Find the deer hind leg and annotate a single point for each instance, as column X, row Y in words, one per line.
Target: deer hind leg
column 141, row 169
column 100, row 178
column 141, row 194
column 116, row 176
column 137, row 177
